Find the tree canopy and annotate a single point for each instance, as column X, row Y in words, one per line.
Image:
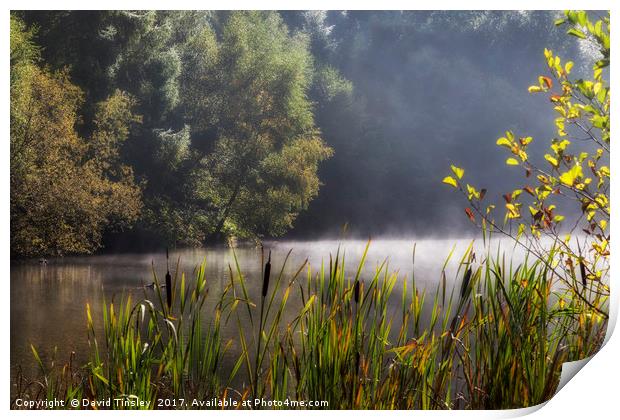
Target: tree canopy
column 181, row 127
column 65, row 188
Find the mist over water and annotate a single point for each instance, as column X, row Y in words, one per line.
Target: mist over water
column 49, row 309
column 434, row 88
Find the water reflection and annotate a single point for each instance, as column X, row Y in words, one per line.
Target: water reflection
column 48, row 302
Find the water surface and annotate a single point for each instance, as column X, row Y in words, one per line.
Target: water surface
column 48, row 301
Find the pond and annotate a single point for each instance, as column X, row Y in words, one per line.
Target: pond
column 48, row 301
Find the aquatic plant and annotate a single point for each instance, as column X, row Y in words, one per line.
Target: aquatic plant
column 497, row 339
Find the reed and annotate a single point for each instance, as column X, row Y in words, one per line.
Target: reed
column 495, row 339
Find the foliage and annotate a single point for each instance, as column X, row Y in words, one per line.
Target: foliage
column 248, row 98
column 496, row 340
column 65, row 189
column 224, row 98
column 575, row 173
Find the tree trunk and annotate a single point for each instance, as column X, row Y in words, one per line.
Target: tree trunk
column 217, row 233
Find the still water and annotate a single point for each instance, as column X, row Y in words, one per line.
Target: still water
column 48, row 301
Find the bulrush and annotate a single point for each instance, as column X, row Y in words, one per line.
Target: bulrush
column 168, row 283
column 340, row 346
column 258, row 362
column 267, row 273
column 465, row 285
column 582, row 270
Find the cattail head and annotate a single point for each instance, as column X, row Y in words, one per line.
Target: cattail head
column 266, row 277
column 168, row 283
column 466, row 280
column 169, row 289
column 356, row 292
column 334, row 274
column 582, row 270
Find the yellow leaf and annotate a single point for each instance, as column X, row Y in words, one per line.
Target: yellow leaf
column 503, row 141
column 472, row 192
column 598, row 73
column 569, row 177
column 512, row 161
column 534, row 89
column 513, row 211
column 450, row 181
column 560, row 146
column 568, row 67
column 457, row 171
column 604, row 171
column 551, row 160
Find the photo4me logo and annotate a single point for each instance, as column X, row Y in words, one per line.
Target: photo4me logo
column 234, row 404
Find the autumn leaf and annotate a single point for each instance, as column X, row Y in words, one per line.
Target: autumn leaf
column 457, row 171
column 553, row 161
column 503, row 141
column 450, row 181
column 569, row 177
column 543, row 80
column 470, row 214
column 513, row 211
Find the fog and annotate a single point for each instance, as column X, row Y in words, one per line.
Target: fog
column 438, row 88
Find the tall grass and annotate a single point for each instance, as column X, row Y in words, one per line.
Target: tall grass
column 496, row 339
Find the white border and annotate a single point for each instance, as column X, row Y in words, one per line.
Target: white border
column 593, row 393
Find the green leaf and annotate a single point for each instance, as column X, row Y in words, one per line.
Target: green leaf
column 576, row 32
column 582, row 18
column 450, row 181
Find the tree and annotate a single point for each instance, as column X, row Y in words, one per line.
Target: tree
column 247, row 103
column 65, row 189
column 576, row 175
column 223, row 99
